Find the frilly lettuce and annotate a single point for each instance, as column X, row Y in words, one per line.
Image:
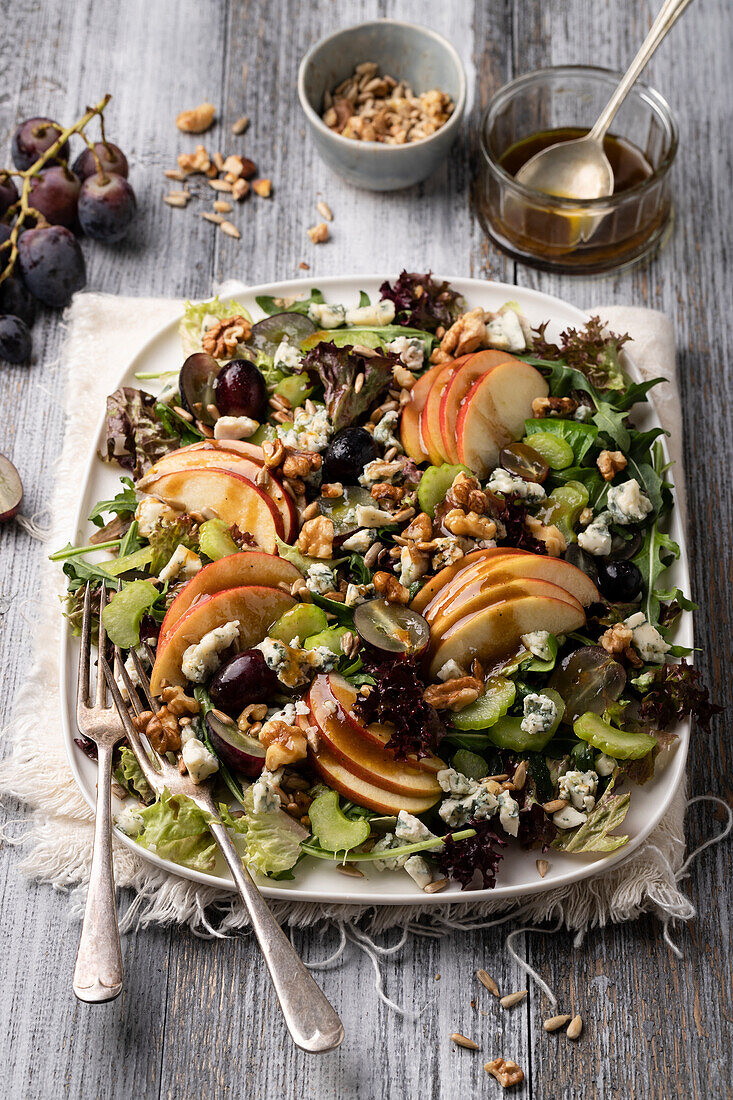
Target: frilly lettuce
column 594, row 834
column 273, row 839
column 176, row 829
column 191, row 328
column 129, row 774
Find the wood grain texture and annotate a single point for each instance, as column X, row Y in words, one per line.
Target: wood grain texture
column 197, row 1017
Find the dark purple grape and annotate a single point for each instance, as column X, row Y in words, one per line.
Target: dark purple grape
column 15, row 298
column 110, row 156
column 619, row 581
column 348, row 454
column 196, row 385
column 8, row 193
column 240, row 390
column 55, row 194
column 52, row 264
column 149, row 629
column 4, row 236
column 242, row 680
column 33, row 137
column 15, row 339
column 107, row 207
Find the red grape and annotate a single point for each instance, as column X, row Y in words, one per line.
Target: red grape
column 15, row 339
column 110, row 156
column 52, row 264
column 33, row 137
column 107, row 207
column 196, row 385
column 240, row 390
column 8, row 193
column 242, row 680
column 55, row 194
column 15, row 298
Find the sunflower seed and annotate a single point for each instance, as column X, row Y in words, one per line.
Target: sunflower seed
column 435, row 887
column 230, row 230
column 513, row 999
column 462, row 1041
column 347, row 869
column 542, row 866
column 177, row 198
column 217, row 219
column 488, row 981
column 574, row 1028
column 555, row 805
column 220, row 185
column 222, row 207
column 240, row 125
column 325, row 211
column 359, row 382
column 174, row 174
column 520, row 775
column 184, row 415
column 552, row 1023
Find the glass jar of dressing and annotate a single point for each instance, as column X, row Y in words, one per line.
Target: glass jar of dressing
column 567, row 235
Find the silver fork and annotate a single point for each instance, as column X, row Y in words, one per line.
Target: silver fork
column 310, row 1018
column 98, row 969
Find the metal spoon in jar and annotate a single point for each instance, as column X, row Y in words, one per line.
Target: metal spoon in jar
column 580, row 169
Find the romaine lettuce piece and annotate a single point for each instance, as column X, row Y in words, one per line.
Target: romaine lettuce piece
column 273, row 839
column 176, row 829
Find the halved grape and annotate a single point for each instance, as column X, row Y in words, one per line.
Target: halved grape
column 582, row 560
column 619, row 581
column 588, row 680
column 242, row 680
column 241, row 390
column 498, row 696
column 196, row 385
column 342, row 510
column 564, row 505
column 240, row 751
column 391, row 627
column 267, row 335
column 556, row 452
column 524, row 461
column 11, row 489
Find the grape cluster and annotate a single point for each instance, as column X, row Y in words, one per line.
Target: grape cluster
column 45, row 205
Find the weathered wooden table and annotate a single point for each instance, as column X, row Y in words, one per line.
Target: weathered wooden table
column 197, row 1017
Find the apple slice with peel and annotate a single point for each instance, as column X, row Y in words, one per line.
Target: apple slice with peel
column 471, row 368
column 495, row 632
column 359, row 790
column 255, row 608
column 430, row 416
column 251, row 567
column 514, row 564
column 487, row 591
column 236, row 446
column 222, row 459
column 410, row 422
column 231, row 497
column 493, row 412
column 333, row 691
column 441, row 579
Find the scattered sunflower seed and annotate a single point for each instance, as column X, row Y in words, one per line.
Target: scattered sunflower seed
column 554, row 805
column 174, row 174
column 304, row 266
column 177, row 198
column 325, row 211
column 552, row 1023
column 488, row 981
column 462, row 1041
column 240, row 125
column 217, row 219
column 220, row 185
column 230, row 230
column 542, row 867
column 513, row 999
column 575, row 1027
column 222, row 206
column 348, row 869
column 435, row 887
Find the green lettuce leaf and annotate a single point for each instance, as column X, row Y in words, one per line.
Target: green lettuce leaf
column 273, row 839
column 176, row 829
column 594, row 834
column 270, row 305
column 656, row 553
column 192, row 322
column 129, row 774
column 124, row 504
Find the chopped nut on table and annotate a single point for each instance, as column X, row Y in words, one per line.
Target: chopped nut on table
column 263, row 188
column 506, row 1072
column 454, row 694
column 222, row 338
column 196, row 120
column 198, row 161
column 319, row 233
column 316, row 538
column 610, row 463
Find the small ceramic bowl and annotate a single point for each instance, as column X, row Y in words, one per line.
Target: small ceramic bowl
column 420, row 57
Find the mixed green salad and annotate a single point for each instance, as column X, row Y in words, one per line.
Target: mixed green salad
column 461, row 538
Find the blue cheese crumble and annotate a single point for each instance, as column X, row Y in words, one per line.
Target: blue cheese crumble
column 470, row 798
column 501, row 481
column 384, row 430
column 130, row 822
column 320, row 579
column 199, row 761
column 286, row 356
column 265, row 796
column 201, row 659
column 410, row 350
column 310, row 431
column 627, row 503
column 294, row 666
column 372, row 316
column 505, row 331
column 182, row 563
column 647, row 639
column 596, row 539
column 540, row 711
column 537, row 642
column 508, row 813
column 326, row 316
column 579, row 788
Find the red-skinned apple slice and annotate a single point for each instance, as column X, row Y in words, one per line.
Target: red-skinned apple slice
column 332, row 690
column 472, row 367
column 430, row 416
column 251, row 567
column 493, row 413
column 430, row 590
column 514, row 564
column 222, row 493
column 224, row 459
column 485, row 592
column 255, row 608
column 360, row 790
column 410, row 422
column 495, row 632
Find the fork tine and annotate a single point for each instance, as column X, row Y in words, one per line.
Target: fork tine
column 162, row 761
column 82, row 684
column 121, row 673
column 101, row 695
column 143, row 678
column 153, row 777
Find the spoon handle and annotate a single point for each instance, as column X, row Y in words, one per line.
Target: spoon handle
column 669, row 13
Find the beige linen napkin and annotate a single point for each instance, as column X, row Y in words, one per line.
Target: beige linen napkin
column 104, row 334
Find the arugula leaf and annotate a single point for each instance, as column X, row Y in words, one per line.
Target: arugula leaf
column 611, row 422
column 289, row 305
column 123, row 504
column 364, row 299
column 594, row 834
column 657, row 552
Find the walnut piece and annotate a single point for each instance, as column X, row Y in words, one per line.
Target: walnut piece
column 553, row 406
column 506, row 1072
column 319, row 233
column 222, row 338
column 389, row 588
column 178, row 703
column 551, row 535
column 383, row 491
column 161, row 729
column 466, row 334
column 198, row 161
column 617, row 638
column 316, row 537
column 197, row 119
column 610, row 463
column 471, row 524
column 420, row 528
column 454, row 694
column 301, row 463
column 285, row 744
column 466, row 493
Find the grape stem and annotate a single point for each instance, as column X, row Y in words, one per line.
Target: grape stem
column 23, row 206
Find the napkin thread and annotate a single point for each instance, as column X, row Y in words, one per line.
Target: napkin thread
column 104, row 332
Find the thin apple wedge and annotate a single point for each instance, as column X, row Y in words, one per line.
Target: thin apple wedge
column 222, row 493
column 430, row 416
column 410, row 421
column 487, row 591
column 495, row 632
column 251, row 567
column 331, row 690
column 468, row 370
column 255, row 608
column 493, row 413
column 222, row 458
column 441, row 579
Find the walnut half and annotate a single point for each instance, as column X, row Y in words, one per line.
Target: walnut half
column 222, row 338
column 506, row 1072
column 454, row 694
